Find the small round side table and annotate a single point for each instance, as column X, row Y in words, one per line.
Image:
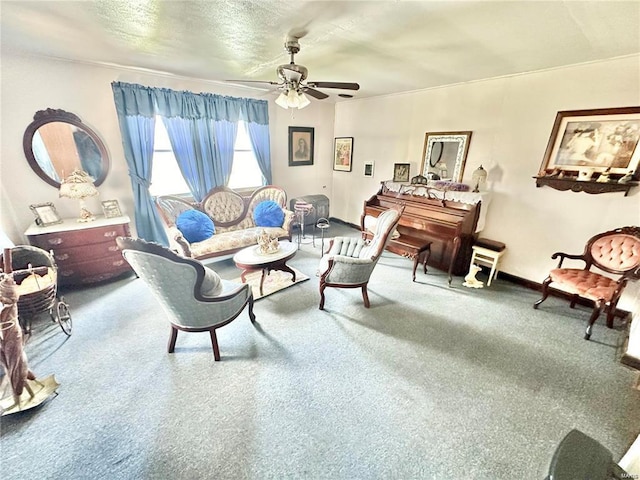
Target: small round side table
column 322, row 224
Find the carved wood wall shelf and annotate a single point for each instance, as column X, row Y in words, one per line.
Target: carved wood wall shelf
column 587, row 187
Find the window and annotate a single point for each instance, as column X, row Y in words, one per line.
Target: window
column 166, row 178
column 245, row 172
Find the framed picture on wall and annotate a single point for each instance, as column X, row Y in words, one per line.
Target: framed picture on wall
column 368, row 169
column 401, row 172
column 343, row 154
column 598, row 140
column 300, row 146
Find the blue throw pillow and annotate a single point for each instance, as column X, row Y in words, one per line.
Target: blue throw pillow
column 195, row 226
column 268, row 214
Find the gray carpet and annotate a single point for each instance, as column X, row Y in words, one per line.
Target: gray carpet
column 431, row 382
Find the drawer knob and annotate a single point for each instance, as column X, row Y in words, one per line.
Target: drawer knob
column 62, row 256
column 117, row 263
column 110, row 234
column 55, row 241
column 113, row 248
column 67, row 273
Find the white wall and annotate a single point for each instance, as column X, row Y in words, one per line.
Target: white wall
column 30, row 84
column 511, row 119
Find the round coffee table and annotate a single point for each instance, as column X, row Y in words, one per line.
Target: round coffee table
column 250, row 260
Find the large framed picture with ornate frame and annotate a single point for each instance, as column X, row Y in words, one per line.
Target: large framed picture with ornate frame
column 597, row 141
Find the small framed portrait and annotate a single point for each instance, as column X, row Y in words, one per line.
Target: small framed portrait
column 368, row 169
column 111, row 209
column 46, row 214
column 343, row 154
column 401, row 172
column 300, row 146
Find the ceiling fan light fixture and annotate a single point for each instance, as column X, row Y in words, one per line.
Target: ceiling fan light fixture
column 304, row 101
column 282, row 101
column 293, row 100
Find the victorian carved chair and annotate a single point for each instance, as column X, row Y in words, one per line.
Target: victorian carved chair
column 193, row 296
column 351, row 260
column 616, row 252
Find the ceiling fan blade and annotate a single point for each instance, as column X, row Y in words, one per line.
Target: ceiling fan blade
column 342, row 85
column 315, row 93
column 253, row 81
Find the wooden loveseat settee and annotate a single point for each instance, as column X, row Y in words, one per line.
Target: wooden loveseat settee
column 232, row 216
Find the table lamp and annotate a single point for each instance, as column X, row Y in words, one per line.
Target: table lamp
column 479, row 176
column 79, row 185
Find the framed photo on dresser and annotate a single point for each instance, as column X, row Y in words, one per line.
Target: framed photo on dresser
column 46, row 214
column 111, row 209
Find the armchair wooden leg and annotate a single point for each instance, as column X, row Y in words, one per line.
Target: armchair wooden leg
column 611, row 312
column 574, row 300
column 365, row 296
column 322, row 287
column 252, row 316
column 214, row 343
column 545, row 292
column 597, row 308
column 172, row 339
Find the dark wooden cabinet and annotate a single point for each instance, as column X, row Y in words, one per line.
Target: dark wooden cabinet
column 85, row 253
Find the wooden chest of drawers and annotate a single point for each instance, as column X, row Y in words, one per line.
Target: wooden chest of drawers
column 84, row 252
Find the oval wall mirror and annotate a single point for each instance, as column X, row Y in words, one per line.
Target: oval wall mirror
column 57, row 142
column 445, row 154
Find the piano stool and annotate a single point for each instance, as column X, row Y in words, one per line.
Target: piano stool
column 487, row 253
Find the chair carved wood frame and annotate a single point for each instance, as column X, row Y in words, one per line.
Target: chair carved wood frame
column 616, row 252
column 188, row 309
column 350, row 261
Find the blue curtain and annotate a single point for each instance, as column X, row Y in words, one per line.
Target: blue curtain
column 202, row 129
column 134, row 106
column 225, row 135
column 196, row 172
column 256, row 113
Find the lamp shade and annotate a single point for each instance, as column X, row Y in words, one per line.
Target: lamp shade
column 78, row 185
column 479, row 176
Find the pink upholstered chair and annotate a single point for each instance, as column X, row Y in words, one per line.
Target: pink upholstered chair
column 616, row 252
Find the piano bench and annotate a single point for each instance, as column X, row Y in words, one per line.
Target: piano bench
column 415, row 249
column 488, row 257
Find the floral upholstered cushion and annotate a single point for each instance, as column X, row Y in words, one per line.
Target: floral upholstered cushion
column 232, row 240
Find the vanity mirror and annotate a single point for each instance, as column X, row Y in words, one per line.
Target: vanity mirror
column 445, row 154
column 57, row 142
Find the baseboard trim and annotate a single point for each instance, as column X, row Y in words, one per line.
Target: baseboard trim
column 530, row 284
column 348, row 224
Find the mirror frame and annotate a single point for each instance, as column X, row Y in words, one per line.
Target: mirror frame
column 49, row 115
column 429, row 151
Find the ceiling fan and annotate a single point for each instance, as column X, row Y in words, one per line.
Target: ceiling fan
column 293, row 82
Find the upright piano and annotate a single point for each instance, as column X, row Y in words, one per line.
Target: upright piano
column 446, row 228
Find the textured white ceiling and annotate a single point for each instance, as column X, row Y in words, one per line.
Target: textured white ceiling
column 385, row 46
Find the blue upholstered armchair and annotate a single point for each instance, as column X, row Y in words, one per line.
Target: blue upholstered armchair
column 350, row 261
column 193, row 296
